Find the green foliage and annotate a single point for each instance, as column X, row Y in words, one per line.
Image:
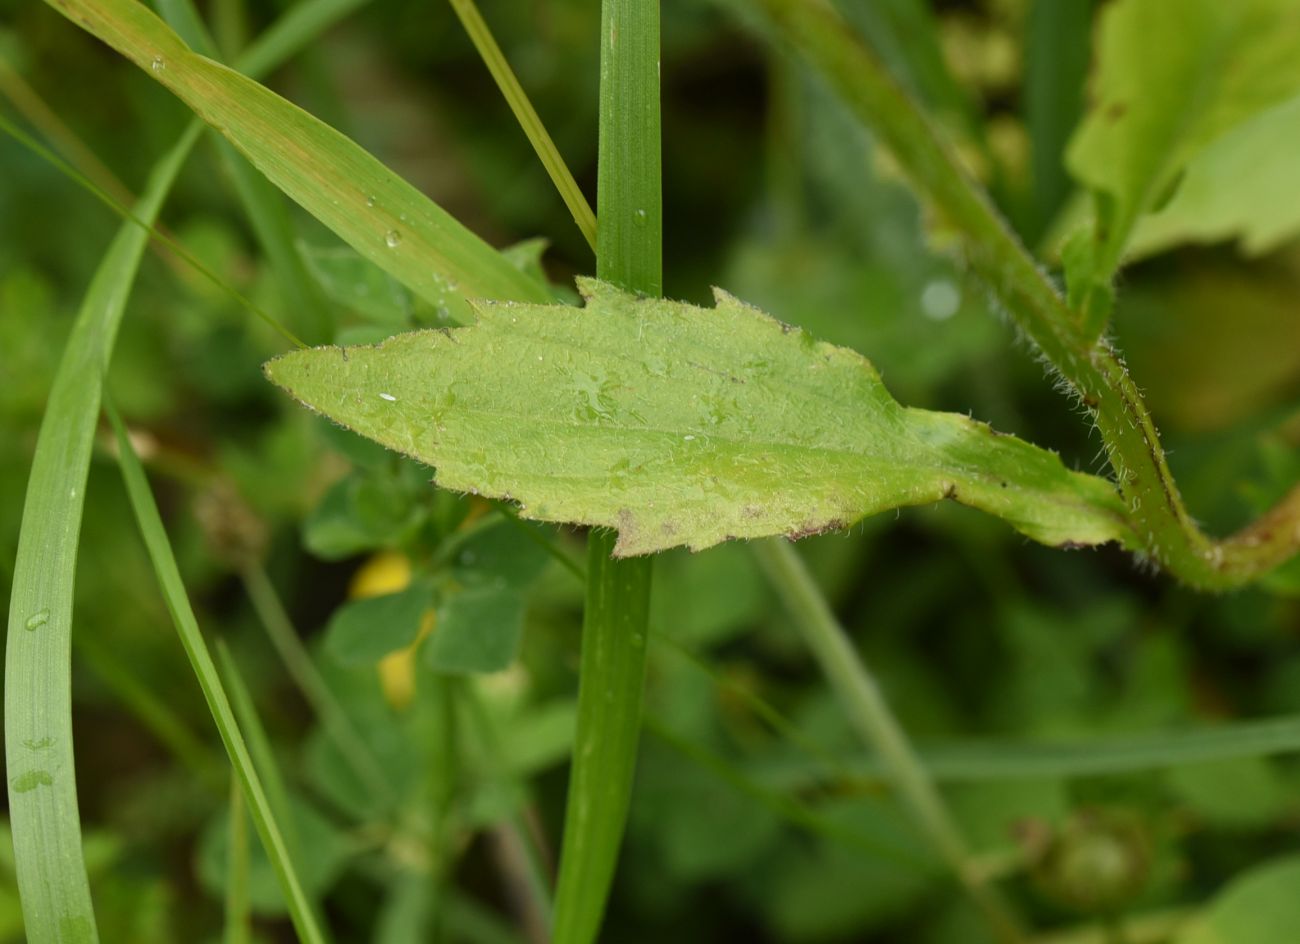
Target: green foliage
column 591, row 416
column 1259, row 906
column 1158, row 103
column 1109, row 754
column 1235, row 188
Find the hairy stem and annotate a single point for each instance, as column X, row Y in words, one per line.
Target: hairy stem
column 1092, row 370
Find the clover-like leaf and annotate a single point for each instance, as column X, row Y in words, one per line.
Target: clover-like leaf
column 681, row 425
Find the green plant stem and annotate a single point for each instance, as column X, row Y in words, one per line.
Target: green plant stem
column 866, row 709
column 1092, row 371
column 526, row 115
column 612, row 673
column 521, row 860
column 297, row 662
column 187, row 628
column 238, row 914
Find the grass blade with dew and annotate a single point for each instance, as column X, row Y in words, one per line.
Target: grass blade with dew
column 612, row 673
column 379, row 214
column 187, row 627
column 987, row 761
column 300, row 293
column 46, row 826
column 38, row 698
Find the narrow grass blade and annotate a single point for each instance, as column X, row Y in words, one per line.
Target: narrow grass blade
column 612, row 680
column 315, row 690
column 259, row 746
column 187, row 627
column 38, row 711
column 994, row 760
column 380, row 215
column 239, row 928
column 785, row 804
column 526, row 115
column 301, row 294
column 865, row 708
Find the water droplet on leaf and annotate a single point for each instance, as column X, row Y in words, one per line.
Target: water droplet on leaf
column 392, row 239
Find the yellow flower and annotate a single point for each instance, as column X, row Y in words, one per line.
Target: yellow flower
column 390, row 572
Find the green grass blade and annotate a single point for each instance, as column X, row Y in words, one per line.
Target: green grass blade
column 998, row 760
column 239, row 928
column 259, row 746
column 380, row 215
column 526, row 115
column 315, row 690
column 612, row 680
column 38, row 711
column 865, row 708
column 265, row 207
column 38, row 725
column 187, row 627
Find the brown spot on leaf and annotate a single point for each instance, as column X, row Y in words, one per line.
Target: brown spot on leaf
column 814, row 528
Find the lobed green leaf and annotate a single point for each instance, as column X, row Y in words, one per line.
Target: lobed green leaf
column 1172, row 76
column 678, row 425
column 1243, row 187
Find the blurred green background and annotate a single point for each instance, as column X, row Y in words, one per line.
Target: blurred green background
column 742, row 828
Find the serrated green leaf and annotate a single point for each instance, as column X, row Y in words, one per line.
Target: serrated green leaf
column 679, row 425
column 1174, row 75
column 1243, row 187
column 364, row 631
column 477, row 630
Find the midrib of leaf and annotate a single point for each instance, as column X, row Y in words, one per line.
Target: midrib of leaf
column 611, row 683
